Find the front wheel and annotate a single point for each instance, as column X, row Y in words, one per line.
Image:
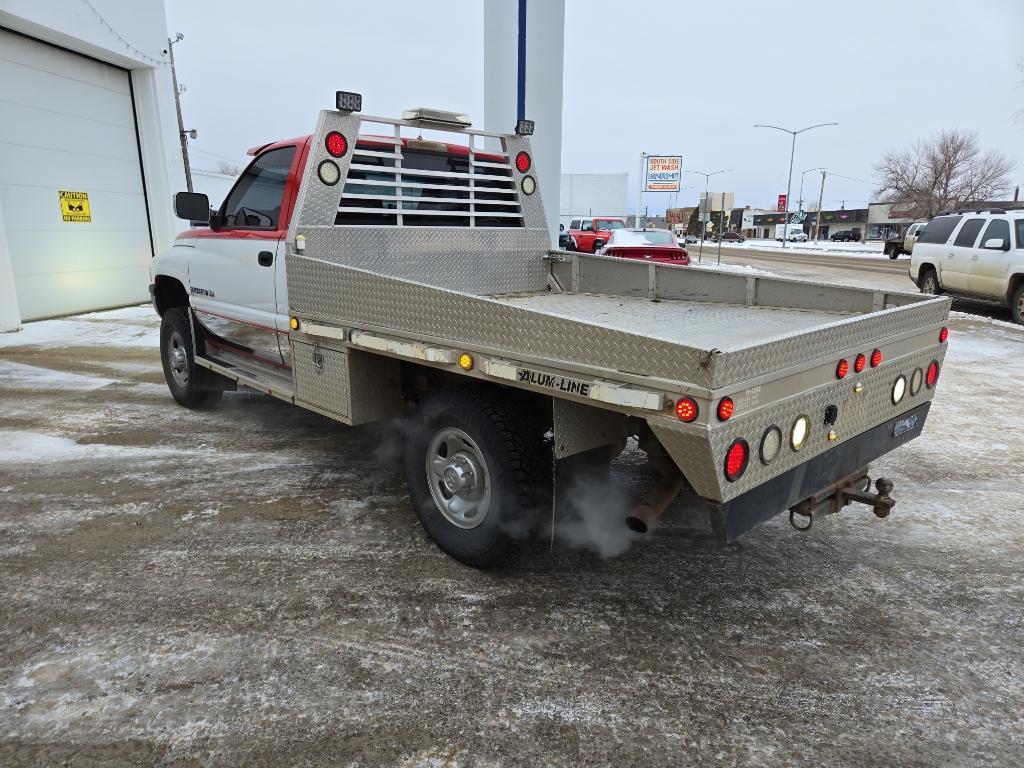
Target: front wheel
column 475, row 471
column 598, row 245
column 187, row 382
column 1017, row 305
column 929, row 282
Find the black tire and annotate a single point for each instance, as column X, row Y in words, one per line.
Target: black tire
column 1017, row 304
column 929, row 282
column 598, row 245
column 506, row 453
column 190, row 385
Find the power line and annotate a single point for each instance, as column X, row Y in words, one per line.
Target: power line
column 219, row 157
column 118, row 35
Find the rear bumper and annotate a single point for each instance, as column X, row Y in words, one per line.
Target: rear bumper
column 734, row 518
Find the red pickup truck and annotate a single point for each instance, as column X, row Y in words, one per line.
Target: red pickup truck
column 592, row 234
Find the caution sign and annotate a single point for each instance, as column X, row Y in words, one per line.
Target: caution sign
column 74, row 206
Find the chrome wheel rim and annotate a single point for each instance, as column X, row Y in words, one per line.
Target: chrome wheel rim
column 1020, row 306
column 177, row 359
column 458, row 478
column 929, row 284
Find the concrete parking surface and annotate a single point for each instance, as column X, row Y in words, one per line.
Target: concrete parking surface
column 249, row 585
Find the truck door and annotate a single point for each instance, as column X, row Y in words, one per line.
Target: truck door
column 990, row 267
column 232, row 271
column 956, row 267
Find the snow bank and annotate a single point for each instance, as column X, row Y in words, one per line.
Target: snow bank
column 128, row 327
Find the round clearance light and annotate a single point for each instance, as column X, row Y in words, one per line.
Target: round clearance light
column 529, row 185
column 736, row 459
column 771, row 442
column 899, row 389
column 842, row 369
column 523, row 162
column 916, row 379
column 336, row 144
column 798, row 435
column 932, row 375
column 876, row 358
column 943, row 335
column 466, row 361
column 859, row 363
column 328, row 172
column 686, row 409
column 293, row 323
column 725, row 408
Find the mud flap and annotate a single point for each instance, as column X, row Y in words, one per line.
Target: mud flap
column 737, row 516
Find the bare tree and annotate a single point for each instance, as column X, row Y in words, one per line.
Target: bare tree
column 228, row 169
column 945, row 171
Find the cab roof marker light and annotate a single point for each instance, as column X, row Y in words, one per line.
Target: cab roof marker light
column 524, row 127
column 347, row 101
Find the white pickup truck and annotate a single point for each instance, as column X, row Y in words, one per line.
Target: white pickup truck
column 383, row 269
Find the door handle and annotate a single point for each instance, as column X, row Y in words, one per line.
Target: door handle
column 974, row 257
column 266, row 258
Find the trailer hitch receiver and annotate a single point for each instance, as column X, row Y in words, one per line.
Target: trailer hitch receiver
column 852, row 488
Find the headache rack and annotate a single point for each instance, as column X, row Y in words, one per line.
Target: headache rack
column 416, row 182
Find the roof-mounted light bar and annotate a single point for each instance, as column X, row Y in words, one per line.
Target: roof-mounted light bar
column 438, row 116
column 524, row 128
column 346, row 101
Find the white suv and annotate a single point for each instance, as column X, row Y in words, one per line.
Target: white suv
column 976, row 254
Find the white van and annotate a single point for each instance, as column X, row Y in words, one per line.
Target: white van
column 976, row 254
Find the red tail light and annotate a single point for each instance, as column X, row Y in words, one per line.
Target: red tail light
column 842, row 369
column 943, row 335
column 932, row 375
column 736, row 459
column 336, row 144
column 686, row 409
column 876, row 358
column 523, row 162
column 725, row 408
column 859, row 363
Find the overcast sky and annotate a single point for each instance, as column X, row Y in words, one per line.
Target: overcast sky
column 644, row 75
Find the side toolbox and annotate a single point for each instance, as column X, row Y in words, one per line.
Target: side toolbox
column 351, row 386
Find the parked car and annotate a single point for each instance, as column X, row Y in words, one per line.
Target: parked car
column 591, row 234
column 845, row 236
column 896, row 246
column 652, row 244
column 565, row 241
column 691, row 239
column 975, row 254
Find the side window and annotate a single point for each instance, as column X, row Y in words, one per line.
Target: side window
column 1019, row 226
column 588, row 226
column 574, row 224
column 939, row 229
column 997, row 228
column 968, row 234
column 255, row 201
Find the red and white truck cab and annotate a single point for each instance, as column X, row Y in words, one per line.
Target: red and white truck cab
column 593, row 234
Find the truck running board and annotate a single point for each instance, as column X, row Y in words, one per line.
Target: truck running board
column 253, row 375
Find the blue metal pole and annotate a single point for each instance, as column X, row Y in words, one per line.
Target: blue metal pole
column 521, row 74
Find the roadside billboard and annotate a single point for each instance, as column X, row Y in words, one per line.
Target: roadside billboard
column 663, row 173
column 782, row 203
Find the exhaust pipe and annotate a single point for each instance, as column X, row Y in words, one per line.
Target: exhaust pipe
column 646, row 514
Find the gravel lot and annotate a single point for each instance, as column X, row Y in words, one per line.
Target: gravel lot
column 249, row 585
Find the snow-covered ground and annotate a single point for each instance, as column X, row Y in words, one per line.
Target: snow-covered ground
column 873, row 249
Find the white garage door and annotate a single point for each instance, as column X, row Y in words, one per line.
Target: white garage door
column 71, row 183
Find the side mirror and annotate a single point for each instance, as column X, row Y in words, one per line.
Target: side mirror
column 996, row 244
column 192, row 206
column 561, row 227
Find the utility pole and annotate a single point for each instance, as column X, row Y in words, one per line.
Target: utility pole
column 704, row 214
column 821, row 199
column 177, row 103
column 640, row 188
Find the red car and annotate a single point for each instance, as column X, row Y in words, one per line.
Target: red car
column 651, row 244
column 592, row 234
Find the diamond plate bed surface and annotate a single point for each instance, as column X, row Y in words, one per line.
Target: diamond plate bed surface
column 721, row 326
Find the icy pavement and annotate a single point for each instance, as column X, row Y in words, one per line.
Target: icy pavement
column 248, row 585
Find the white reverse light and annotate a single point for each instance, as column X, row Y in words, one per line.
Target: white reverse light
column 899, row 389
column 328, row 172
column 798, row 435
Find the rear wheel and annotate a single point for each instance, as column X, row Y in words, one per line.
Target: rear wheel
column 188, row 383
column 476, row 471
column 1017, row 304
column 929, row 282
column 598, row 245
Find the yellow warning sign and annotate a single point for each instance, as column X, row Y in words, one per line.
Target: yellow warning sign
column 74, row 206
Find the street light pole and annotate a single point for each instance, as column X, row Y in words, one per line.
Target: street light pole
column 177, row 104
column 703, row 224
column 789, row 182
column 800, row 200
